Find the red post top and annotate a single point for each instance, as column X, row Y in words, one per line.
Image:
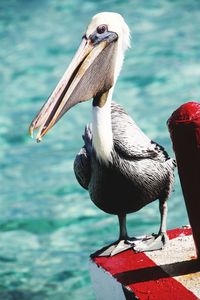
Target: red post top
column 186, row 113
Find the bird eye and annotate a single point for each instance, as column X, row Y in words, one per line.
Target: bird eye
column 102, row 28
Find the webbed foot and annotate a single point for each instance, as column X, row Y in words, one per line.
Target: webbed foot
column 152, row 243
column 140, row 244
column 117, row 247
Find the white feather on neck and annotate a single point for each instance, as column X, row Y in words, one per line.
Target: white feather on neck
column 101, row 116
column 102, row 130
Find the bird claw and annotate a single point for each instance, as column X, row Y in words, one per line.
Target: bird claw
column 113, row 249
column 152, row 243
column 120, row 247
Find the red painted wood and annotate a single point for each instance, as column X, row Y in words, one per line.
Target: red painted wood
column 141, row 275
column 184, row 126
column 174, row 233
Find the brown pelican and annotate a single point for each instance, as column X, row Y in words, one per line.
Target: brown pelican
column 122, row 169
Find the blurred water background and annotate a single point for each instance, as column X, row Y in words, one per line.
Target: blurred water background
column 48, row 225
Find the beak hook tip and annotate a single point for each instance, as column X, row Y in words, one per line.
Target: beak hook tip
column 31, row 131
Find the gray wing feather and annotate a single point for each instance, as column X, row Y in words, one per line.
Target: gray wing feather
column 129, row 140
column 82, row 168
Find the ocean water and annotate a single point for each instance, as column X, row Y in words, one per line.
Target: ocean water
column 48, row 225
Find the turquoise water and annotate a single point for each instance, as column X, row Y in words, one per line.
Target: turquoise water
column 48, row 225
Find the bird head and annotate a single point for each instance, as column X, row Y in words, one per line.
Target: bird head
column 92, row 72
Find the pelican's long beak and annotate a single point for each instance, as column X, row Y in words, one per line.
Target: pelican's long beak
column 90, row 73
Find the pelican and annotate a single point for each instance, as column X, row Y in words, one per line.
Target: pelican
column 122, row 169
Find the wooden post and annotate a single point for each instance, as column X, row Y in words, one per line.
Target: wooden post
column 184, row 127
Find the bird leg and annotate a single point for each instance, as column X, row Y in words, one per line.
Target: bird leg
column 123, row 243
column 123, row 235
column 138, row 244
column 156, row 241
